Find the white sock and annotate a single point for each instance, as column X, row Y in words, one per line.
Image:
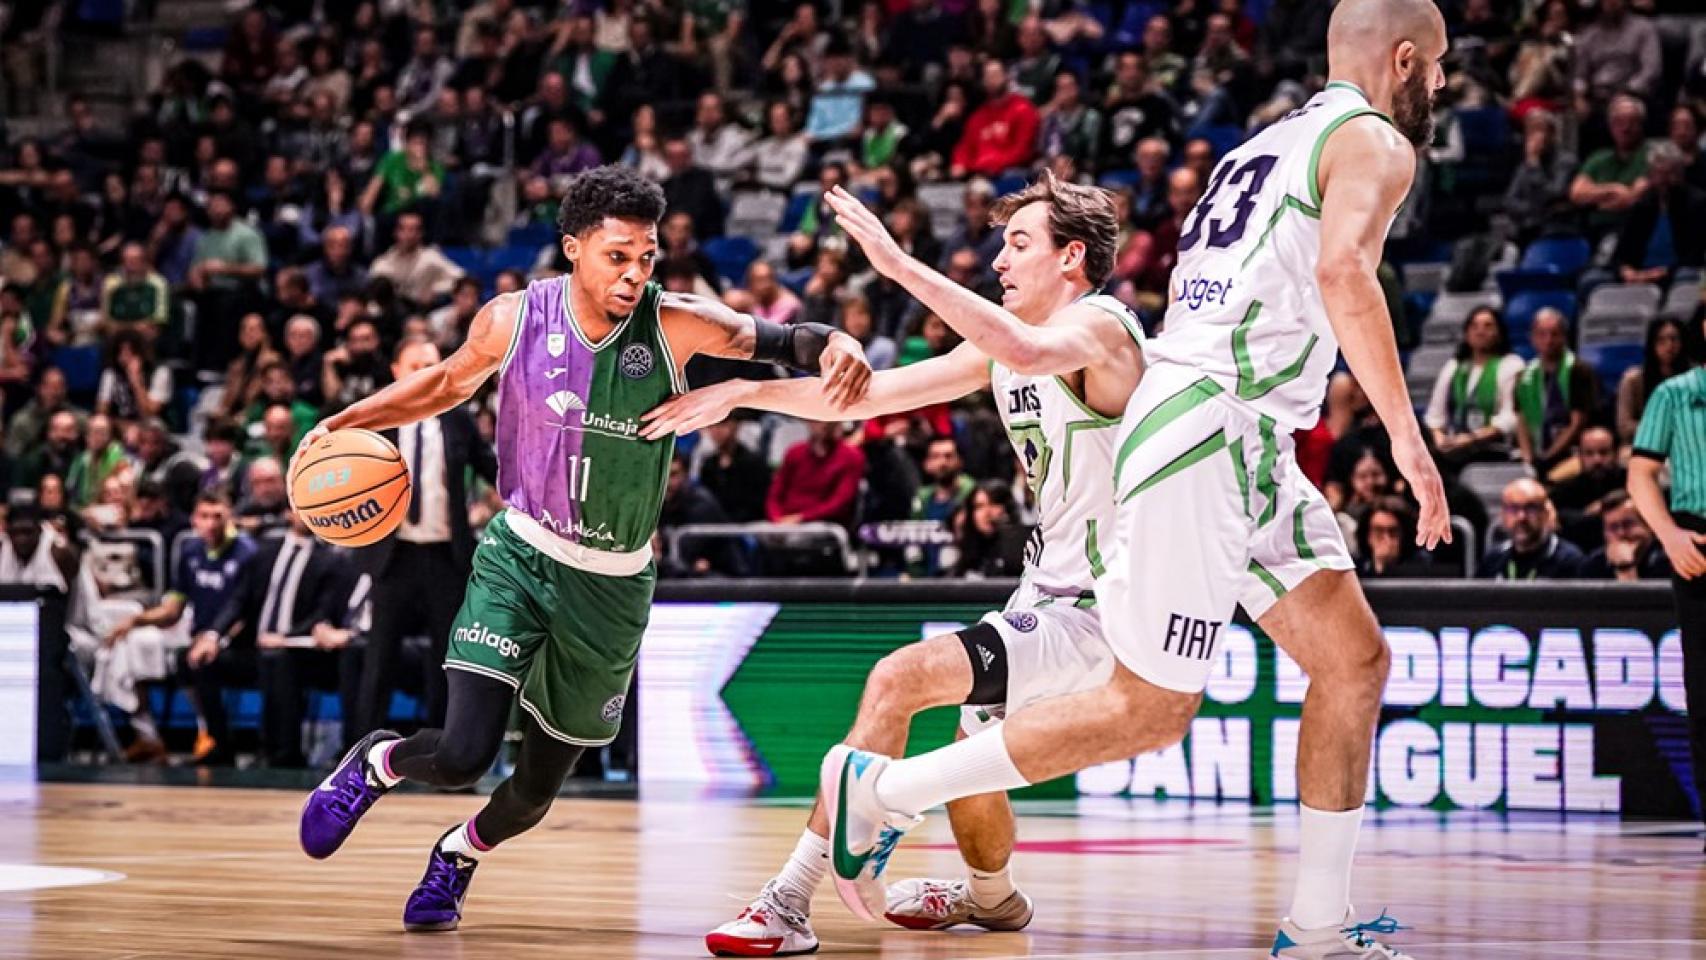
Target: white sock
column 1326, row 845
column 990, row 889
column 977, row 764
column 376, row 761
column 805, row 869
column 462, row 840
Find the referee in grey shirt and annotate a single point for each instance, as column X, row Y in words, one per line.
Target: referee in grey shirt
column 1673, row 428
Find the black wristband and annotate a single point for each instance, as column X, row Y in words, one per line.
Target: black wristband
column 797, row 346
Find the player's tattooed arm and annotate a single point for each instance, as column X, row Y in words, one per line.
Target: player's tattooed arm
column 698, row 325
column 951, row 376
column 1086, row 338
column 433, row 390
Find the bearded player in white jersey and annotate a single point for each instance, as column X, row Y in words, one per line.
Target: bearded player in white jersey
column 1060, row 376
column 1276, row 268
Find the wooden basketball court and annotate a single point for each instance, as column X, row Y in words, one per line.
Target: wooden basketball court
column 111, row 871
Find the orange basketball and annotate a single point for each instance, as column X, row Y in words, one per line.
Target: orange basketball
column 351, row 487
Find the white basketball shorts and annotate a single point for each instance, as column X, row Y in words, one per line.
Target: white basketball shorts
column 1213, row 512
column 1052, row 646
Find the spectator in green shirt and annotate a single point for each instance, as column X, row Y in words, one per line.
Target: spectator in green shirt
column 278, row 387
column 136, row 297
column 1614, row 178
column 39, row 296
column 229, row 253
column 27, row 430
column 102, row 457
column 406, row 177
column 946, row 489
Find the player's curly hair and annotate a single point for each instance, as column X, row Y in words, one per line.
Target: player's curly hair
column 1075, row 212
column 608, row 191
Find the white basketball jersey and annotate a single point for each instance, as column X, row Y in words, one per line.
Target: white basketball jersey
column 1068, row 453
column 1245, row 309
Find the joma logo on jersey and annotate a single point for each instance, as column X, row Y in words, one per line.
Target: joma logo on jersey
column 345, row 519
column 1194, row 639
column 1024, row 400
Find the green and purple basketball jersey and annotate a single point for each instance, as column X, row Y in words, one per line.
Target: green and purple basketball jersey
column 570, row 454
column 561, row 589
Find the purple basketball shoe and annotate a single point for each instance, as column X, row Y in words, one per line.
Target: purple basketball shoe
column 331, row 812
column 436, row 903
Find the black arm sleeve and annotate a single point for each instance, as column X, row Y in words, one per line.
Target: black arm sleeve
column 797, row 346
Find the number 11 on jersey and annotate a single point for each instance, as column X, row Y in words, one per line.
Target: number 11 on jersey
column 580, row 477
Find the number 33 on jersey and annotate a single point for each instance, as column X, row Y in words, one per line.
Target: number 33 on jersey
column 1239, row 313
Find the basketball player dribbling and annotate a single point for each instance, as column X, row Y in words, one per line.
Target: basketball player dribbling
column 1276, row 268
column 562, row 582
column 1068, row 364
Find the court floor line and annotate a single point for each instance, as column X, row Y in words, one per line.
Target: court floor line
column 1245, row 951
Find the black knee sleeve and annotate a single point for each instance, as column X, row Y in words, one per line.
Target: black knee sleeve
column 988, row 655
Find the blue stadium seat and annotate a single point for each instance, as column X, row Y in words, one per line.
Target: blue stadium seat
column 513, row 257
column 1520, row 311
column 1119, row 179
column 1486, row 131
column 795, row 280
column 1223, row 137
column 1485, row 167
column 533, row 235
column 1610, row 360
column 244, row 707
column 406, row 708
column 1128, row 35
column 206, row 39
column 471, row 259
column 1566, row 254
column 1529, row 279
column 731, row 256
column 797, row 205
column 82, row 368
column 324, row 706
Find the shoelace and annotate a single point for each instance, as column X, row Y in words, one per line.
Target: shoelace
column 352, row 797
column 939, row 898
column 887, row 840
column 447, row 879
column 770, row 900
column 1382, row 925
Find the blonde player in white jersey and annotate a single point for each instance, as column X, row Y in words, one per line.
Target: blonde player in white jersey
column 1059, row 398
column 1276, row 270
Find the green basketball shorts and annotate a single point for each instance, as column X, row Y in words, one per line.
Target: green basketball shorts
column 564, row 638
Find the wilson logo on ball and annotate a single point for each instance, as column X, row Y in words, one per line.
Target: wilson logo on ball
column 355, row 516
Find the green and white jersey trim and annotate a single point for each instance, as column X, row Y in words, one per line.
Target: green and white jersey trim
column 1067, row 450
column 1245, row 308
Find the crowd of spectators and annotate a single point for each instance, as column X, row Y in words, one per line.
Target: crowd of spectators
column 186, row 292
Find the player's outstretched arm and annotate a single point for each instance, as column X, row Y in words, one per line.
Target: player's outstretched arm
column 1365, row 172
column 1059, row 348
column 431, row 391
column 937, row 380
column 698, row 325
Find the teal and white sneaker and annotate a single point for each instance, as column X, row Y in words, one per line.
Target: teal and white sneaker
column 862, row 834
column 1352, row 941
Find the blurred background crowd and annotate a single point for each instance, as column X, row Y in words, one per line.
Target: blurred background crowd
column 220, row 222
